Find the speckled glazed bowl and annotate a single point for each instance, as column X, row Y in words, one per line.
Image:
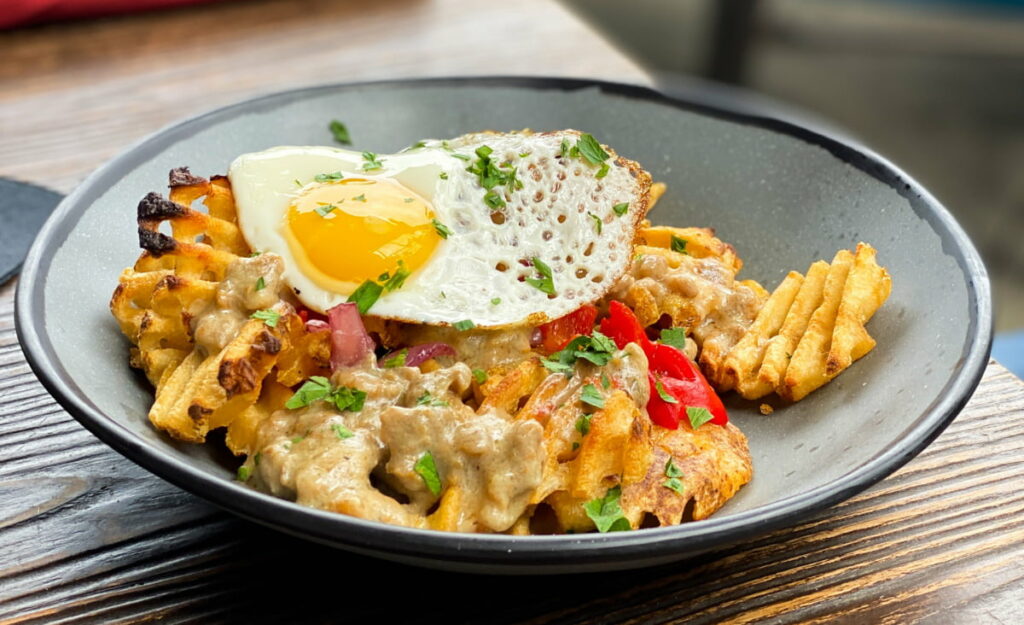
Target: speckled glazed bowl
column 783, row 195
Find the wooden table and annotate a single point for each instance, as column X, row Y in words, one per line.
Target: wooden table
column 86, row 536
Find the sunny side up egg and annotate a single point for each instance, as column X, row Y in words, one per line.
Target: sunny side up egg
column 496, row 228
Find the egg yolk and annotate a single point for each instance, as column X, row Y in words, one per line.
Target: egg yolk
column 348, row 231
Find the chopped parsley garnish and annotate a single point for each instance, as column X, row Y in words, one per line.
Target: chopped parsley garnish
column 676, row 337
column 464, row 325
column 325, row 209
column 370, row 161
column 565, row 150
column 592, row 396
column 341, row 431
column 491, row 175
column 244, row 473
column 597, row 222
column 461, row 157
column 605, row 381
column 621, row 208
column 673, row 473
column 426, row 399
column 596, row 349
column 602, row 171
column 493, row 199
column 575, row 445
column 398, row 279
column 261, row 284
column 297, row 183
column 495, row 301
column 674, row 483
column 397, row 359
column 417, row 145
column 366, row 295
column 590, row 149
column 444, row 176
column 408, row 200
column 318, row 388
column 698, row 416
column 267, row 316
column 442, row 230
column 545, row 283
column 340, row 132
column 296, row 440
column 427, row 469
column 671, row 470
column 524, row 154
column 606, row 513
column 360, row 198
column 583, row 424
column 663, row 394
column 334, row 175
column 480, row 376
column 678, row 245
column 255, row 254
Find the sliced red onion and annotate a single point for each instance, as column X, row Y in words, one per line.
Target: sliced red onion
column 418, row 354
column 349, row 341
column 317, row 325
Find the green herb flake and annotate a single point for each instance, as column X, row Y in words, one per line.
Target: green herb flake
column 596, row 349
column 334, row 175
column 524, row 154
column 592, row 396
column 602, row 171
column 443, row 231
column 674, row 484
column 545, row 283
column 621, row 208
column 464, row 325
column 605, row 381
column 370, row 161
column 668, row 399
column 366, row 295
column 267, row 316
column 493, row 199
column 346, row 398
column 408, row 200
column 256, row 458
column 698, row 416
column 360, row 198
column 671, row 470
column 339, row 132
column 255, row 254
column 598, row 224
column 417, row 145
column 575, row 446
column 314, row 389
column 583, row 424
column 591, row 149
column 426, row 399
column 297, row 183
column 461, row 157
column 325, row 210
column 495, row 301
column 297, row 439
column 427, row 469
column 606, row 513
column 341, row 431
column 679, row 245
column 444, row 176
column 244, row 473
column 398, row 278
column 676, row 337
column 480, row 376
column 397, row 359
column 261, row 284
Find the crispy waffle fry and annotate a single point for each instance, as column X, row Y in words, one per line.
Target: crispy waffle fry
column 810, row 329
column 215, row 380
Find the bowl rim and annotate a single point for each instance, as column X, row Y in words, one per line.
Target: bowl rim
column 618, row 548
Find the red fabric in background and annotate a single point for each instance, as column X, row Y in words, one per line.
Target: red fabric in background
column 23, row 12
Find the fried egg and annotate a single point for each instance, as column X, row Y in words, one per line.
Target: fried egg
column 494, row 228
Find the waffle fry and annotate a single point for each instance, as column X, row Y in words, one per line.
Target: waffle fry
column 811, row 328
column 177, row 277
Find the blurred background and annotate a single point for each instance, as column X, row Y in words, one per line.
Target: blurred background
column 935, row 86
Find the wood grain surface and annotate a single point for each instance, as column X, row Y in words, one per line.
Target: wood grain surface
column 86, row 536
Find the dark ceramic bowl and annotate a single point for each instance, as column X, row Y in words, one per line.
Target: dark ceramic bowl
column 783, row 195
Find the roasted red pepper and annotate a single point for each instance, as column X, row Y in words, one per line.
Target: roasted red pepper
column 555, row 335
column 669, row 369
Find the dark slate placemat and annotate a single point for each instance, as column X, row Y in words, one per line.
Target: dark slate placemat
column 23, row 209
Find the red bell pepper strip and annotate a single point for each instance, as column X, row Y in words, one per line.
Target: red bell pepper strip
column 669, row 370
column 555, row 335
